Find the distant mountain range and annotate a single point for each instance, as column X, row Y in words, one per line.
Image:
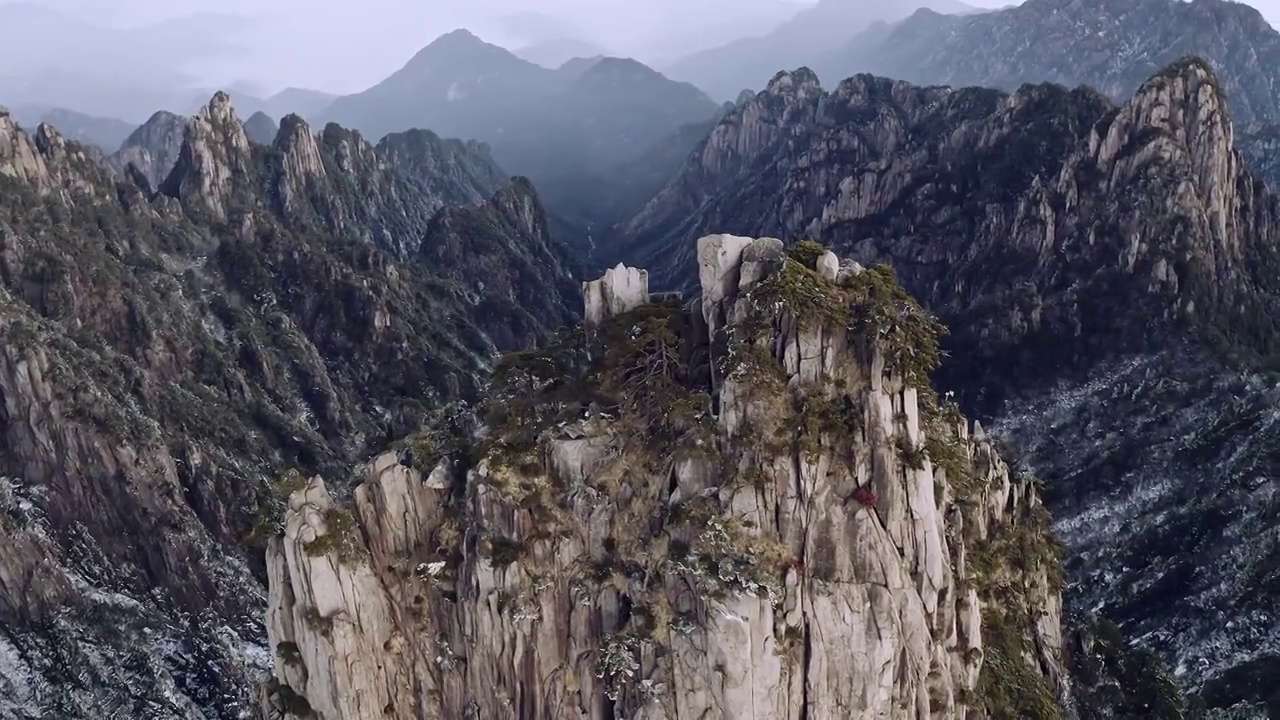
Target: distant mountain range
column 554, row 53
column 806, row 38
column 106, row 134
column 1111, row 45
column 654, row 32
column 570, row 129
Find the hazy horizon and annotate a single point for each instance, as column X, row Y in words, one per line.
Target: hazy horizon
column 293, row 44
column 324, row 46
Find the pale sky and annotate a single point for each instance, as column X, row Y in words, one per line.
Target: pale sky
column 340, row 46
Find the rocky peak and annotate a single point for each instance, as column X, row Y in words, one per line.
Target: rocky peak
column 213, row 173
column 520, row 201
column 385, row 195
column 814, row 535
column 1181, row 110
column 219, row 110
column 503, row 251
column 301, row 166
column 801, row 83
column 19, row 157
column 46, row 160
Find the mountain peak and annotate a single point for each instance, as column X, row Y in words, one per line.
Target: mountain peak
column 459, row 49
column 458, row 35
column 1188, row 67
column 1181, row 112
column 800, row 81
column 460, row 40
column 301, row 166
column 616, row 71
column 153, row 148
column 211, row 172
column 219, row 106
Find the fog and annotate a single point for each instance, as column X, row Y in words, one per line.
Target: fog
column 338, row 46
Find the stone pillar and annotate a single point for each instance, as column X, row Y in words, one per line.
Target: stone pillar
column 619, row 290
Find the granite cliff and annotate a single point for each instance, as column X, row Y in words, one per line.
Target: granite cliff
column 748, row 506
column 1108, row 273
column 168, row 353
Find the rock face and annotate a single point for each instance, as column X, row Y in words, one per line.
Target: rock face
column 167, row 355
column 807, row 532
column 620, row 290
column 1081, row 253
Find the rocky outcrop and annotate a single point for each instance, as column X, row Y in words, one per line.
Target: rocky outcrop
column 46, row 161
column 807, row 532
column 1081, row 253
column 164, row 357
column 622, row 289
column 19, row 158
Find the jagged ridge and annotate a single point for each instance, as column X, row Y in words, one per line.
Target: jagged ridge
column 1083, row 206
column 1085, row 256
column 1110, row 45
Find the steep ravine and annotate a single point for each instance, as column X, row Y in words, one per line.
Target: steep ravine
column 749, row 506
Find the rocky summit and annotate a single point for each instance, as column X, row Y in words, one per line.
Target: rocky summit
column 751, row 505
column 1109, row 276
column 171, row 349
